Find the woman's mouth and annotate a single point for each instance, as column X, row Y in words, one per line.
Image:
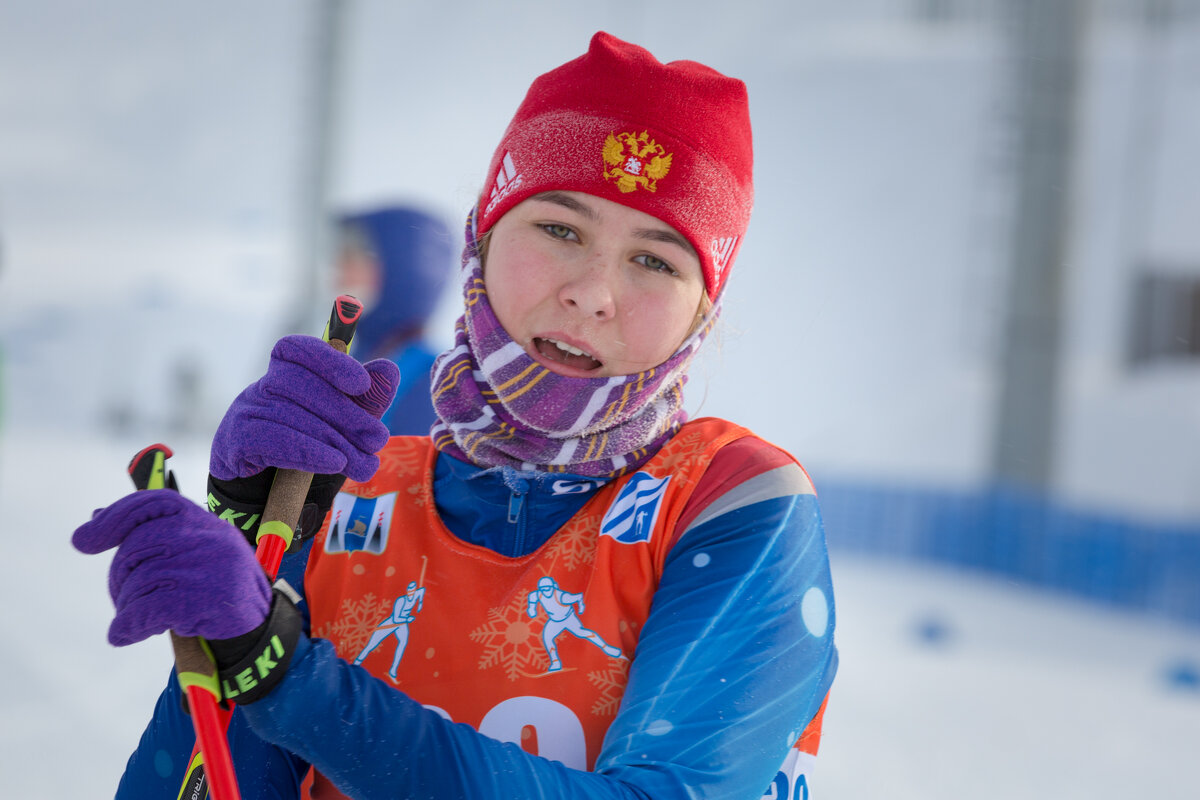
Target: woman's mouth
column 565, row 354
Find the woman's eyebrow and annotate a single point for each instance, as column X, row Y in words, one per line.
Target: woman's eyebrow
column 568, row 202
column 583, row 209
column 665, row 236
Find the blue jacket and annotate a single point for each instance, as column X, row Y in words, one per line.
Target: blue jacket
column 411, row 412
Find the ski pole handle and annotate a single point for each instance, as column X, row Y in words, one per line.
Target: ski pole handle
column 290, row 487
column 194, row 665
column 339, row 331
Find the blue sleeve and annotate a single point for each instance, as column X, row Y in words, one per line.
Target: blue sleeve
column 736, row 657
column 732, row 664
column 157, row 766
column 375, row 742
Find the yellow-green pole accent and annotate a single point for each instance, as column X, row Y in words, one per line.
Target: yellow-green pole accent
column 191, row 778
column 274, row 527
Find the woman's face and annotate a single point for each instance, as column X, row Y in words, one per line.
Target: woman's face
column 589, row 287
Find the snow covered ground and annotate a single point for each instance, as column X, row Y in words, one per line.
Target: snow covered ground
column 951, row 685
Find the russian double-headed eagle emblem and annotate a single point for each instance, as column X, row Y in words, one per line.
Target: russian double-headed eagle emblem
column 635, row 160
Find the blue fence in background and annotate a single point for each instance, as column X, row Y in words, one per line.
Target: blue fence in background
column 1033, row 539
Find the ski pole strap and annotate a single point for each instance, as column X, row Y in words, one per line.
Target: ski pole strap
column 242, row 501
column 251, row 665
column 241, row 514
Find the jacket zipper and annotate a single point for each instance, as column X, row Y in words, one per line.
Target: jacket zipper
column 517, row 518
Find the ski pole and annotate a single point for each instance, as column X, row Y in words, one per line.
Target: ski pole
column 285, row 501
column 194, row 665
column 290, row 487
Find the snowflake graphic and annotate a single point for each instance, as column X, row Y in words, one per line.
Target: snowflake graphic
column 611, row 683
column 573, row 545
column 510, row 641
column 683, row 451
column 401, row 457
column 351, row 630
column 419, row 496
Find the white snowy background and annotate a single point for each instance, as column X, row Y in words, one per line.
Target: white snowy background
column 152, row 161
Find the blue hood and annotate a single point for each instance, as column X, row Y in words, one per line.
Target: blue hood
column 416, row 256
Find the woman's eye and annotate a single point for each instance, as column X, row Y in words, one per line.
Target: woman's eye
column 558, row 231
column 655, row 264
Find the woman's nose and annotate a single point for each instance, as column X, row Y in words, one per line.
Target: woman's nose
column 591, row 289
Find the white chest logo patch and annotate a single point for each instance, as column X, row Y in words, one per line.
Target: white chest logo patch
column 631, row 517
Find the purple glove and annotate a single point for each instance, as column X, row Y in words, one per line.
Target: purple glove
column 177, row 567
column 315, row 410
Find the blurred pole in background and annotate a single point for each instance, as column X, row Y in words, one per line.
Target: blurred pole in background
column 3, row 383
column 318, row 130
column 1048, row 37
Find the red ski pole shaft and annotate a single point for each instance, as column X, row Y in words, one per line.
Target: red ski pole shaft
column 284, row 504
column 194, row 665
column 211, row 760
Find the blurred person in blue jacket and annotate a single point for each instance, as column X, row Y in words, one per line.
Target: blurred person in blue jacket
column 396, row 260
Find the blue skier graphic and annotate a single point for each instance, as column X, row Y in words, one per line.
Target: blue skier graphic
column 396, row 624
column 560, row 608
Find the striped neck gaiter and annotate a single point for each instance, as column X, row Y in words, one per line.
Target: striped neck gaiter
column 498, row 407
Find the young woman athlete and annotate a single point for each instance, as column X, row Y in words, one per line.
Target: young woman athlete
column 568, row 589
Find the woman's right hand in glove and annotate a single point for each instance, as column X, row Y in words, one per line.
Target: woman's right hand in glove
column 315, row 410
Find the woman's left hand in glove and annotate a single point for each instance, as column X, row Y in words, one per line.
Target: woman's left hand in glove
column 177, row 567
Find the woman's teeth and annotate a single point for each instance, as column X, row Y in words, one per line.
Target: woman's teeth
column 566, row 354
column 575, row 351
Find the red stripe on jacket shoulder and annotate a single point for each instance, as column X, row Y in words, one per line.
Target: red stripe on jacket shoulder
column 734, row 464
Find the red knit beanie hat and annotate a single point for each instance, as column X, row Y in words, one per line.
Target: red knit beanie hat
column 672, row 140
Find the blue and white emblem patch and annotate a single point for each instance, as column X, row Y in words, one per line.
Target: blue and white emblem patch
column 631, row 517
column 359, row 523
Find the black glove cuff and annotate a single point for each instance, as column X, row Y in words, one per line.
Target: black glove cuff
column 249, row 666
column 241, row 502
